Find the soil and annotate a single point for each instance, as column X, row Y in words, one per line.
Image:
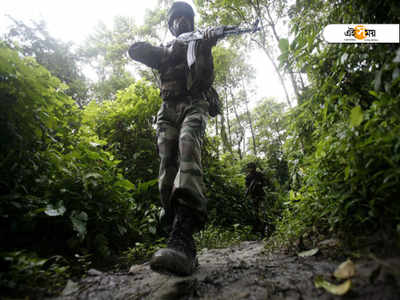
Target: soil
column 244, row 271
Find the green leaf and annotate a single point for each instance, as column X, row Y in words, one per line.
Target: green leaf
column 284, row 45
column 122, row 230
column 344, row 58
column 283, row 58
column 373, row 93
column 356, row 116
column 93, row 144
column 397, row 58
column 79, row 221
column 93, row 155
column 346, row 172
column 378, row 80
column 153, row 229
column 125, row 184
column 345, row 270
column 38, row 132
column 92, row 175
column 308, row 253
column 55, row 210
column 339, row 290
column 396, row 73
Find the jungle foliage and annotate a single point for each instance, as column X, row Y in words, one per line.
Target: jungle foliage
column 63, row 190
column 343, row 138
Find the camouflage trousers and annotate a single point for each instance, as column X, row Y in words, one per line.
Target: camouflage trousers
column 181, row 124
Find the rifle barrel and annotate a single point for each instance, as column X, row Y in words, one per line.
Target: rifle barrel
column 239, row 31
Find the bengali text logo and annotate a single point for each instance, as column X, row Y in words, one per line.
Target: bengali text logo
column 361, row 33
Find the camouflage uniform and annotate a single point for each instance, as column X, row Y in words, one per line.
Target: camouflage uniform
column 181, row 122
column 255, row 183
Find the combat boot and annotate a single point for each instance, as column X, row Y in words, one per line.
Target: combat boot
column 179, row 256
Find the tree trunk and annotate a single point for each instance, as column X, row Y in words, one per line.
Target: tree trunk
column 242, row 129
column 262, row 45
column 251, row 130
column 225, row 142
column 289, row 68
column 253, row 137
column 228, row 122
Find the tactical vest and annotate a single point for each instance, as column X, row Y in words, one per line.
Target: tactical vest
column 177, row 78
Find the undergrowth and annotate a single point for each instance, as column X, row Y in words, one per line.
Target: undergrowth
column 213, row 237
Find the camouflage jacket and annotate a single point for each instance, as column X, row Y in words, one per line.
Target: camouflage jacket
column 255, row 183
column 171, row 62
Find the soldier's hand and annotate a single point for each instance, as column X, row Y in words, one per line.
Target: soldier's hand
column 212, row 34
column 230, row 27
column 217, row 32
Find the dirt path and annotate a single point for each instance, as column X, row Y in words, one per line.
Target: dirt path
column 244, row 271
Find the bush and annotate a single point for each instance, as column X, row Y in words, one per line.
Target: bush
column 343, row 146
column 219, row 237
column 26, row 273
column 62, row 192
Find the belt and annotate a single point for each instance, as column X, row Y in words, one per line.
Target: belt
column 178, row 96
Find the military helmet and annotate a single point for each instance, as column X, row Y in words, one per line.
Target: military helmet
column 251, row 166
column 180, row 8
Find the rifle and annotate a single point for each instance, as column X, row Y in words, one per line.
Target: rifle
column 191, row 38
column 220, row 32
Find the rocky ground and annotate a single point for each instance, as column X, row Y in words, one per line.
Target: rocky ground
column 245, row 271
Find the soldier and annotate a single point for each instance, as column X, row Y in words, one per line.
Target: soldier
column 181, row 122
column 255, row 183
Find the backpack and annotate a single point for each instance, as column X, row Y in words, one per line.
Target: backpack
column 212, row 98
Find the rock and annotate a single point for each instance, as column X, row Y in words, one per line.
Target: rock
column 94, row 272
column 345, row 270
column 70, row 288
column 329, row 243
column 180, row 289
column 135, row 269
